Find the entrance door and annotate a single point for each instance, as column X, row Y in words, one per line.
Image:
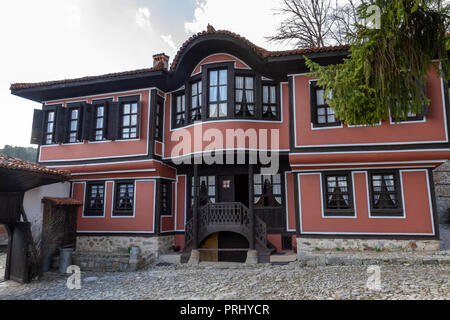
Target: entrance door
column 19, row 263
column 226, row 189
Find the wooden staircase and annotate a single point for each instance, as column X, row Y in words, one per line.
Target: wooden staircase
column 231, row 217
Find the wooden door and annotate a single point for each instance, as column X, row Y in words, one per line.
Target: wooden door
column 226, row 189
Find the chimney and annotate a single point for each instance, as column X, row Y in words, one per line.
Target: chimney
column 161, row 58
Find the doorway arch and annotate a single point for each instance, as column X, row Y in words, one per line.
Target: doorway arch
column 224, row 246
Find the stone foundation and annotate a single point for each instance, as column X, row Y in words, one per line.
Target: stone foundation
column 308, row 245
column 109, row 246
column 442, row 187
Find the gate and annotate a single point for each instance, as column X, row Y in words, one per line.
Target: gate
column 18, row 264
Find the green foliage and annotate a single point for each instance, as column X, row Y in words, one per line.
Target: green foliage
column 23, row 153
column 386, row 69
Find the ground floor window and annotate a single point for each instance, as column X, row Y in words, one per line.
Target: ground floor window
column 166, row 198
column 385, row 193
column 124, row 199
column 267, row 190
column 338, row 194
column 95, row 198
column 207, row 193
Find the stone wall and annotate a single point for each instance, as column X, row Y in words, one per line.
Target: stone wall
column 308, row 245
column 442, row 188
column 150, row 247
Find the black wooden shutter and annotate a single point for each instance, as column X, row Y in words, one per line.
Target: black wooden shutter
column 38, row 124
column 88, row 122
column 80, row 122
column 113, row 120
column 313, row 102
column 61, row 115
column 139, row 117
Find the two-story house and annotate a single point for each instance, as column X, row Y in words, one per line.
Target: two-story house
column 179, row 157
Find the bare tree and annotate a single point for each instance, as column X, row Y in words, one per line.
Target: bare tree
column 315, row 23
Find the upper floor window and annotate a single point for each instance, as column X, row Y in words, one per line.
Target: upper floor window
column 129, row 120
column 195, row 111
column 385, row 194
column 159, row 118
column 95, row 198
column 338, row 195
column 321, row 114
column 74, row 124
column 99, row 122
column 244, row 97
column 267, row 190
column 124, row 202
column 218, row 91
column 180, row 110
column 166, row 198
column 269, row 102
column 49, row 129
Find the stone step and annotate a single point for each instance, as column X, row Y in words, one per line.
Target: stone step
column 291, row 257
column 173, row 258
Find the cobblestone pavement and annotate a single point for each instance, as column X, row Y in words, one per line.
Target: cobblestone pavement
column 231, row 281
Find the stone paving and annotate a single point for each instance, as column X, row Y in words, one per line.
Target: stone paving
column 234, row 281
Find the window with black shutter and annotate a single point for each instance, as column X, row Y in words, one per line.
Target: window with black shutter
column 37, row 129
column 50, row 126
column 267, row 190
column 338, row 194
column 321, row 113
column 385, row 194
column 73, row 124
column 99, row 110
column 166, row 198
column 112, row 131
column 124, row 199
column 159, row 118
column 95, row 200
column 129, row 115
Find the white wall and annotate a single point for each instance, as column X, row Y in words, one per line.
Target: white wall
column 34, row 208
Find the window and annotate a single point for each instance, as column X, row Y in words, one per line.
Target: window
column 338, row 195
column 321, row 114
column 244, row 97
column 158, row 121
column 207, row 190
column 100, row 122
column 95, row 197
column 269, row 102
column 166, row 198
column 124, row 202
column 74, row 125
column 180, row 110
column 195, row 112
column 385, row 194
column 129, row 120
column 218, row 90
column 49, row 130
column 267, row 190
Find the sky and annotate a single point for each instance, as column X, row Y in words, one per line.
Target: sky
column 62, row 39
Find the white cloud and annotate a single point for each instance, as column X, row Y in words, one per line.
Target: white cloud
column 253, row 20
column 143, row 18
column 169, row 40
column 73, row 14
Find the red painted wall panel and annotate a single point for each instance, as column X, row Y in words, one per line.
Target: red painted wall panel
column 290, row 201
column 181, row 202
column 417, row 205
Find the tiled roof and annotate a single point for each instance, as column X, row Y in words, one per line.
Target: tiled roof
column 263, row 53
column 62, row 201
column 21, row 165
column 19, row 86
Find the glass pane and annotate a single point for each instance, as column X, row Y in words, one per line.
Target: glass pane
column 273, row 95
column 73, row 125
column 50, row 127
column 223, row 110
column 194, row 102
column 258, row 189
column 75, row 114
column 249, row 96
column 251, row 109
column 213, row 78
column 277, row 178
column 238, row 95
column 213, row 94
column 134, row 108
column 320, row 97
column 100, row 111
column 213, row 110
column 331, row 118
column 239, row 82
column 194, row 89
column 99, row 124
column 276, row 189
column 321, row 111
column 211, row 180
column 223, row 93
column 133, row 120
column 223, row 77
column 265, row 94
column 126, row 120
column 126, row 108
column 199, row 87
column 322, row 119
column 249, row 83
column 51, row 116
